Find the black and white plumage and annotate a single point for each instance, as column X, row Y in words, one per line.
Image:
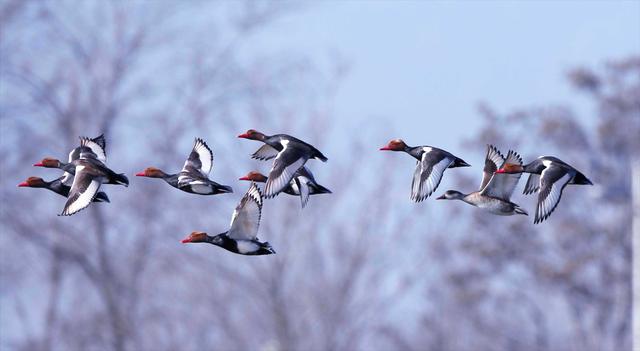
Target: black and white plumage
column 431, row 164
column 285, row 165
column 200, row 161
column 241, row 238
column 85, row 187
column 90, row 174
column 58, row 187
column 290, row 155
column 495, row 189
column 194, row 176
column 500, row 185
column 548, row 177
column 303, row 184
column 95, row 145
column 265, row 152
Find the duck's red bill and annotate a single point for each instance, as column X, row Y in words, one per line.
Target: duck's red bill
column 185, row 240
column 386, row 148
column 23, row 184
column 39, row 164
column 140, row 174
column 245, row 135
column 244, row 178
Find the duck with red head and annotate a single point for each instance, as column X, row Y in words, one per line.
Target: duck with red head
column 57, row 187
column 253, row 134
column 290, row 155
column 85, row 172
column 432, row 162
column 241, row 238
column 303, row 184
column 194, row 176
column 255, row 176
column 548, row 176
column 49, row 162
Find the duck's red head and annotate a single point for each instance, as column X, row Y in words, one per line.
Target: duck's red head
column 394, row 145
column 252, row 134
column 48, row 162
column 511, row 168
column 33, row 182
column 255, row 177
column 195, row 237
column 151, row 172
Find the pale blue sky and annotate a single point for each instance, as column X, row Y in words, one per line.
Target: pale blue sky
column 426, row 65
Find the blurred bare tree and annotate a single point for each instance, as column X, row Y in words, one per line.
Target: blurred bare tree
column 115, row 277
column 362, row 268
column 564, row 284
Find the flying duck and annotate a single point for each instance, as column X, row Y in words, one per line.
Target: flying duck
column 430, row 166
column 241, row 238
column 548, row 176
column 90, row 173
column 96, row 145
column 495, row 188
column 58, row 187
column 194, row 176
column 290, row 155
column 303, row 184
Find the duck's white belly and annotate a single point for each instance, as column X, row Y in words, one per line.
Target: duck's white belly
column 246, row 246
column 489, row 204
column 201, row 188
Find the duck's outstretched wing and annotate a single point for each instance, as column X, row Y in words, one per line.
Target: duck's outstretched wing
column 552, row 181
column 198, row 164
column 492, row 161
column 303, row 187
column 96, row 145
column 533, row 184
column 501, row 185
column 428, row 174
column 265, row 152
column 83, row 191
column 245, row 220
column 200, row 159
column 286, row 164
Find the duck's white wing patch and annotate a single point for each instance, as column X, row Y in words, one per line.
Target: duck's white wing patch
column 552, row 182
column 74, row 154
column 501, row 185
column 67, row 179
column 303, row 188
column 533, row 184
column 245, row 220
column 492, row 161
column 84, row 189
column 287, row 163
column 200, row 159
column 265, row 152
column 428, row 175
column 95, row 147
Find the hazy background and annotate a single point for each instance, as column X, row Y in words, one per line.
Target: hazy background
column 363, row 268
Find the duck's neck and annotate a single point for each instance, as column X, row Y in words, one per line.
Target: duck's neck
column 414, row 151
column 162, row 174
column 55, row 185
column 262, row 137
column 534, row 167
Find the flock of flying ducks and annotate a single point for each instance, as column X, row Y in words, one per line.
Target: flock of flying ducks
column 86, row 171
